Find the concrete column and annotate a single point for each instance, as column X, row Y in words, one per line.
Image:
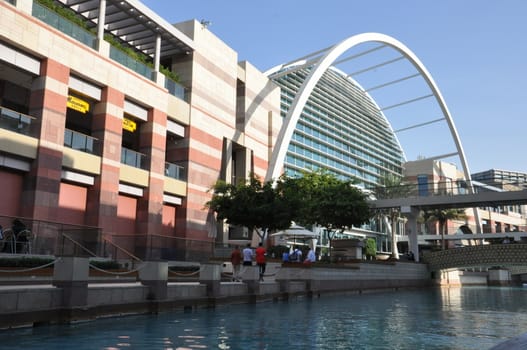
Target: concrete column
column 312, row 283
column 250, row 275
column 154, row 274
column 103, row 196
column 499, row 277
column 72, row 274
column 25, row 6
column 413, row 241
column 226, row 165
column 284, row 285
column 49, row 95
column 210, row 275
column 157, row 54
column 283, row 279
column 102, row 46
column 150, row 205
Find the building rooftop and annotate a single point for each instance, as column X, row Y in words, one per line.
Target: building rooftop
column 135, row 24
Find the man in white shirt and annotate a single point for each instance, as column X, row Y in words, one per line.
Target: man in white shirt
column 247, row 255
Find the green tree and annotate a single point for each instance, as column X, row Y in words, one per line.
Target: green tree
column 320, row 198
column 370, row 248
column 392, row 186
column 253, row 204
column 442, row 216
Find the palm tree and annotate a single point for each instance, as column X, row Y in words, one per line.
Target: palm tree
column 442, row 216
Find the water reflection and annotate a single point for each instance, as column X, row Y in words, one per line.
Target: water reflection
column 468, row 318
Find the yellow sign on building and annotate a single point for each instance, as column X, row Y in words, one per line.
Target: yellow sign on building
column 78, row 104
column 129, row 125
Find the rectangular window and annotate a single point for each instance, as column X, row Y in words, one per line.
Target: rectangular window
column 422, row 185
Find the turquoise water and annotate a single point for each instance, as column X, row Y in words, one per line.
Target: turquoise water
column 455, row 318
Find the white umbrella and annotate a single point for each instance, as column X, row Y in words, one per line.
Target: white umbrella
column 295, row 232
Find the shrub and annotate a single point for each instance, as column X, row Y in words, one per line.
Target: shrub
column 370, row 248
column 24, row 262
column 105, row 264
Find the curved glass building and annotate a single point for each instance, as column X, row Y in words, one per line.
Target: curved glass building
column 340, row 129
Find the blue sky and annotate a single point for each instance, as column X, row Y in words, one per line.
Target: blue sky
column 476, row 51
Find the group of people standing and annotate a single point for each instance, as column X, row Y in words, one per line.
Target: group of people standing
column 247, row 255
column 296, row 256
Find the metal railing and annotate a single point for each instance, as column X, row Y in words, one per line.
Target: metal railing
column 176, row 89
column 131, row 63
column 86, row 37
column 440, row 188
column 81, row 142
column 65, row 26
column 160, row 247
column 15, row 121
column 133, row 158
column 53, row 238
column 112, row 250
column 175, row 171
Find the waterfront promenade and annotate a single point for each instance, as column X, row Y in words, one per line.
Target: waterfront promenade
column 71, row 295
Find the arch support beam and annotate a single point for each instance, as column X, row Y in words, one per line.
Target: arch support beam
column 323, row 63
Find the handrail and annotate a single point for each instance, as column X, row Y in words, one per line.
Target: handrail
column 79, row 245
column 123, row 250
column 182, row 238
column 175, row 171
column 19, row 113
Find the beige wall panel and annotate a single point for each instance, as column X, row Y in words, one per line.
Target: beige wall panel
column 81, row 161
column 21, row 145
column 217, row 126
column 176, row 187
column 216, row 97
column 178, row 110
column 133, row 175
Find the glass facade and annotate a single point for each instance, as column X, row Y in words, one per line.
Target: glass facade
column 340, row 129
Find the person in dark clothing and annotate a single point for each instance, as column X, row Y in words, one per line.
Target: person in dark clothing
column 261, row 253
column 236, row 260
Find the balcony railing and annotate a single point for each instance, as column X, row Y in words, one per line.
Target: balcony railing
column 14, row 121
column 176, row 89
column 81, row 142
column 86, row 37
column 175, row 171
column 131, row 63
column 133, row 158
column 65, row 26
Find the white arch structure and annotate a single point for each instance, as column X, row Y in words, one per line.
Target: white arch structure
column 324, row 63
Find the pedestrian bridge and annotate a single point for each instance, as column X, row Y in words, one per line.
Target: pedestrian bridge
column 512, row 256
column 469, row 200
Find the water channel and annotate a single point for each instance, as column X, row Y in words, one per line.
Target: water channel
column 447, row 318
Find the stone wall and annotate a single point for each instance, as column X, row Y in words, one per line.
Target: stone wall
column 67, row 301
